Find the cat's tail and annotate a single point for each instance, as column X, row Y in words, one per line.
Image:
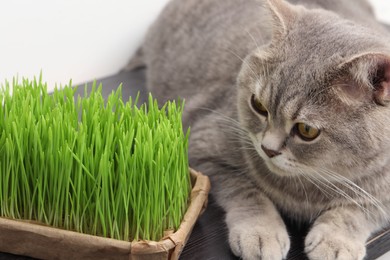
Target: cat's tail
column 137, row 61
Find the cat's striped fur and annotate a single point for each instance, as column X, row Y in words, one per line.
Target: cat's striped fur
column 324, row 64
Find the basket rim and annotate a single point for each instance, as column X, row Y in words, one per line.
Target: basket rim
column 172, row 244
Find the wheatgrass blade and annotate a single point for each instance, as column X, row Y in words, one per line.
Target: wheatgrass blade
column 102, row 167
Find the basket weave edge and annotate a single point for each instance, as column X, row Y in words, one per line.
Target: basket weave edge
column 24, row 238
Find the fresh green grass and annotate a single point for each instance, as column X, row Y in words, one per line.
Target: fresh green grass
column 101, row 167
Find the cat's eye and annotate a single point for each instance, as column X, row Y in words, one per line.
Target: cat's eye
column 306, row 132
column 258, row 106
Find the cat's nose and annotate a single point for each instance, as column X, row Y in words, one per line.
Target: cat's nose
column 270, row 153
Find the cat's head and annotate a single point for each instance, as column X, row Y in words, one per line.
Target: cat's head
column 316, row 99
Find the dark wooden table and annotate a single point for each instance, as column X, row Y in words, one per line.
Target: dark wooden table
column 209, row 237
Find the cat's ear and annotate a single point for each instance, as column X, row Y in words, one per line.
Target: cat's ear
column 370, row 79
column 283, row 15
column 381, row 81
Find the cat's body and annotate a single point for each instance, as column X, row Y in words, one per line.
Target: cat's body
column 313, row 70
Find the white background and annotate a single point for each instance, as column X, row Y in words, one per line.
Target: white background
column 71, row 39
column 78, row 39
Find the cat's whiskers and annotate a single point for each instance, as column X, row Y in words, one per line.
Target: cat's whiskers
column 326, row 182
column 236, row 136
column 265, row 68
column 230, row 122
column 256, row 75
column 244, row 143
column 332, row 187
column 264, row 65
column 359, row 191
column 221, row 115
column 262, row 39
column 253, row 39
column 236, row 133
column 304, row 189
column 320, row 181
column 310, row 178
column 234, row 130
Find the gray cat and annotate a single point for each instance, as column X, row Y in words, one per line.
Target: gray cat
column 289, row 108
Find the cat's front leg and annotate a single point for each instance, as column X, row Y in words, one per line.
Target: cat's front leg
column 256, row 230
column 340, row 233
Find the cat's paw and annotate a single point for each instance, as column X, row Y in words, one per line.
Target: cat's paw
column 254, row 240
column 325, row 243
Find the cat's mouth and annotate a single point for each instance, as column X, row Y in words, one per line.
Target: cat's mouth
column 280, row 168
column 276, row 169
column 277, row 165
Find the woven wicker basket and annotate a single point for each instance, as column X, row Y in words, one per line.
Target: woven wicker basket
column 38, row 241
